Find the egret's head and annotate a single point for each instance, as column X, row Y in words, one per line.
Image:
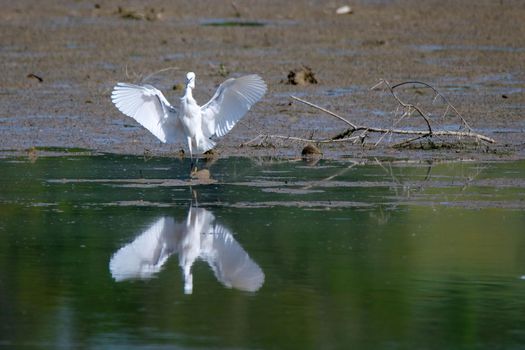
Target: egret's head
column 190, row 80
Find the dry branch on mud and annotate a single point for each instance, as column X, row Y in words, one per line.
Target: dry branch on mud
column 359, row 133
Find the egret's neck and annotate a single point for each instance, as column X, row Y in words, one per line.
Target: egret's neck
column 188, row 93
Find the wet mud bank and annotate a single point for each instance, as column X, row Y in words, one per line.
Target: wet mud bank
column 61, row 60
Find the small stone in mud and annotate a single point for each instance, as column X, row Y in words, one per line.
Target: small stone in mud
column 344, row 10
column 310, row 150
column 301, row 76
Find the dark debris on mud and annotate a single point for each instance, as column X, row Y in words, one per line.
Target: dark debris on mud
column 301, row 76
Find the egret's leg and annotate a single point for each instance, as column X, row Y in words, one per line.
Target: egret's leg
column 194, row 198
column 191, row 154
column 188, row 280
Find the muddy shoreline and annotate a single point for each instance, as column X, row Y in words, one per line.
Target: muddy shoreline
column 473, row 52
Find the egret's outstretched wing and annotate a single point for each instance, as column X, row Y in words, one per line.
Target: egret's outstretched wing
column 232, row 266
column 145, row 256
column 230, row 103
column 148, row 106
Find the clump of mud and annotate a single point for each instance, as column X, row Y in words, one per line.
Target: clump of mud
column 203, row 174
column 301, row 76
column 148, row 14
column 210, row 154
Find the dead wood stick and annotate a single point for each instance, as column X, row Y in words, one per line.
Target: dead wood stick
column 408, row 109
column 324, row 110
column 408, row 106
column 425, row 133
column 449, row 105
column 300, row 139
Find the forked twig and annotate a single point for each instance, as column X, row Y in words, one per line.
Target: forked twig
column 408, row 106
column 449, row 105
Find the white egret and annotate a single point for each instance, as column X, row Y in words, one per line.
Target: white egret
column 199, row 237
column 191, row 123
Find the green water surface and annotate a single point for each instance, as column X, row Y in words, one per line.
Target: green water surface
column 119, row 252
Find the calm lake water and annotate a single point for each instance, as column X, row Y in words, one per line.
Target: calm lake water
column 117, row 252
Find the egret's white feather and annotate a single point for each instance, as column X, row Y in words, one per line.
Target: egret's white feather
column 199, row 236
column 149, row 107
column 230, row 103
column 145, row 256
column 190, row 123
column 230, row 263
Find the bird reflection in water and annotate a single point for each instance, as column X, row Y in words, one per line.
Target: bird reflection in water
column 200, row 236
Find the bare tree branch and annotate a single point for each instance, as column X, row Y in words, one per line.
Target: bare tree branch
column 324, row 110
column 407, row 109
column 300, row 139
column 449, row 105
column 409, row 106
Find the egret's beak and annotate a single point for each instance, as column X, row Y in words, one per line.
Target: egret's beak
column 190, row 82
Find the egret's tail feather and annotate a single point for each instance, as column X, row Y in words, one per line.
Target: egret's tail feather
column 206, row 144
